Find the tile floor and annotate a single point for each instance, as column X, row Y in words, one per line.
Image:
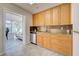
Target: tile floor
column 29, row 50
column 15, row 48
column 12, row 42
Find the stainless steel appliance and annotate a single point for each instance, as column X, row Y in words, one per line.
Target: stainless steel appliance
column 33, row 37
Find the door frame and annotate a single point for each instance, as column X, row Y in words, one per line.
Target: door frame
column 4, row 24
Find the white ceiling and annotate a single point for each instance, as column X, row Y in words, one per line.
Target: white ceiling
column 36, row 7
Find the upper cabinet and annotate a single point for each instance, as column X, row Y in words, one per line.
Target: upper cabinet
column 59, row 15
column 55, row 16
column 47, row 17
column 42, row 19
column 38, row 19
column 65, row 14
column 35, row 19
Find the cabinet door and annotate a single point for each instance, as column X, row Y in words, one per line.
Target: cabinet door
column 47, row 17
column 65, row 14
column 56, row 16
column 41, row 19
column 38, row 22
column 39, row 40
column 47, row 42
column 34, row 20
column 61, row 44
column 53, row 43
column 66, row 44
column 38, row 19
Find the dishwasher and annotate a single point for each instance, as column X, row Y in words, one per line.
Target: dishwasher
column 33, row 37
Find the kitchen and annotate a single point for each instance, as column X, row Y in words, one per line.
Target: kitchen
column 50, row 29
column 53, row 29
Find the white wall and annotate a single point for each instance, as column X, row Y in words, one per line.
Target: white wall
column 18, row 10
column 75, row 18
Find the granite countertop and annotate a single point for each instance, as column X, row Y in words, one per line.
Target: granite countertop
column 53, row 33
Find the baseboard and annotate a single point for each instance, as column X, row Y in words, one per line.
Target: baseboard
column 33, row 43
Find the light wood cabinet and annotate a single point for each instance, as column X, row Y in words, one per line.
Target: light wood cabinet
column 47, row 15
column 38, row 19
column 59, row 15
column 56, row 16
column 41, row 19
column 39, row 40
column 46, row 42
column 59, row 43
column 65, row 14
column 62, row 44
column 66, row 44
column 35, row 20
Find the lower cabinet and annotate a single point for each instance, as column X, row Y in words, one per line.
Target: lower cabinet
column 46, row 42
column 61, row 48
column 59, row 43
column 39, row 40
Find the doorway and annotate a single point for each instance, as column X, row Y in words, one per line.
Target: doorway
column 13, row 29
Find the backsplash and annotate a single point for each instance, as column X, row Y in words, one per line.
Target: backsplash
column 65, row 29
